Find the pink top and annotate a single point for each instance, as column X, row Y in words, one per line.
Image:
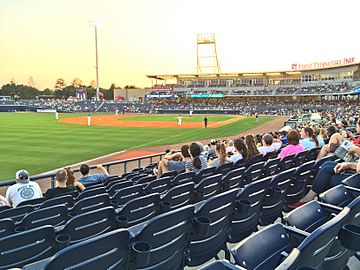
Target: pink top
column 290, row 150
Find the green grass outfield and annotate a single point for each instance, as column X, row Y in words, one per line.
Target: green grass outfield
column 173, row 118
column 36, row 142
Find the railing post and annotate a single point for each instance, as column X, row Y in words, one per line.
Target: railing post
column 53, row 181
column 125, row 167
column 108, row 168
column 139, row 163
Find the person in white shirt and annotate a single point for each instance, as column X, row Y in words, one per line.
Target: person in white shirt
column 23, row 190
column 179, row 120
column 88, row 120
column 56, row 115
column 269, row 145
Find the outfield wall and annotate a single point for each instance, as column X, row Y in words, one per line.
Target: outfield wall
column 17, row 108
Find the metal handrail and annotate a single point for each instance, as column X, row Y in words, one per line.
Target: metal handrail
column 107, row 165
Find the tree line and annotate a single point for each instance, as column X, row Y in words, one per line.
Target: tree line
column 60, row 91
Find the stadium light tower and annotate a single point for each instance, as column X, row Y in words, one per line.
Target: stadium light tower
column 207, row 59
column 96, row 23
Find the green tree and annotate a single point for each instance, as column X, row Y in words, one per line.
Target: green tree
column 59, row 84
column 76, row 82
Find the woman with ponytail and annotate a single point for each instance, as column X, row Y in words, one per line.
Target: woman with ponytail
column 308, row 139
column 197, row 162
column 221, row 156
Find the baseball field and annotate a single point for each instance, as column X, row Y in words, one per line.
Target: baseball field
column 38, row 143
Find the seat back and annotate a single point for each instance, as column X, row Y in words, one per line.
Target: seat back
column 90, row 224
column 233, row 178
column 287, row 163
column 314, row 248
column 245, row 218
column 34, row 202
column 107, row 251
column 53, row 215
column 167, row 235
column 180, row 195
column 7, row 227
column 66, row 200
column 224, row 168
column 204, row 173
column 146, row 179
column 170, row 174
column 140, row 209
column 254, row 159
column 16, row 214
column 338, row 195
column 89, row 204
column 262, row 250
column 271, row 167
column 183, row 178
column 300, row 158
column 221, row 265
column 270, row 155
column 160, row 186
column 127, row 194
column 253, row 172
column 26, row 247
column 89, row 193
column 4, row 207
column 209, row 186
column 217, row 210
column 116, row 186
column 352, row 181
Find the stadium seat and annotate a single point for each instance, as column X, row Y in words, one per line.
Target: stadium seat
column 7, row 227
column 87, row 225
column 270, row 155
column 253, row 172
column 53, row 215
column 339, row 195
column 27, row 247
column 208, row 187
column 245, row 218
column 221, row 265
column 300, row 158
column 286, row 163
column 145, row 179
column 312, row 154
column 89, row 204
column 271, row 167
column 116, row 186
column 160, row 186
column 4, row 207
column 170, row 174
column 204, row 173
column 16, row 214
column 179, row 196
column 127, row 194
column 274, row 200
column 107, row 251
column 210, row 230
column 225, row 168
column 254, row 159
column 183, row 178
column 234, row 179
column 34, row 202
column 66, row 200
column 352, row 181
column 89, row 193
column 139, row 210
column 167, row 235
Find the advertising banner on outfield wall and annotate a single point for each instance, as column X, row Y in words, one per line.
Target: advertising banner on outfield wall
column 326, row 64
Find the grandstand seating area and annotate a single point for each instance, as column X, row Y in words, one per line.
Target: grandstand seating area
column 133, row 221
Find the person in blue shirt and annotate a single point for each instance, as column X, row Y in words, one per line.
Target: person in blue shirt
column 89, row 179
column 308, row 139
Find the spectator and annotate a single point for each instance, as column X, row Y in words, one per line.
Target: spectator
column 321, row 137
column 269, row 144
column 294, row 147
column 308, row 139
column 334, row 142
column 23, row 190
column 211, row 150
column 198, row 162
column 61, row 187
column 283, row 138
column 87, row 179
column 250, row 144
column 357, row 140
column 175, row 162
column 230, row 147
column 241, row 151
column 71, row 182
column 222, row 156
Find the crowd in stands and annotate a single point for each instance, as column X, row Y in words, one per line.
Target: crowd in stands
column 319, row 89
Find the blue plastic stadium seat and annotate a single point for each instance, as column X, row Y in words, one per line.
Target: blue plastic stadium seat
column 225, row 168
column 221, row 265
column 34, row 202
column 253, row 172
column 210, row 230
column 127, row 194
column 353, row 181
column 160, row 186
column 179, row 196
column 170, row 174
column 89, row 204
column 234, row 179
column 271, row 167
column 208, row 187
column 204, row 173
column 107, row 251
column 145, row 179
column 7, row 227
column 54, row 215
column 27, row 247
column 116, row 186
column 254, row 159
column 183, row 178
column 4, row 207
column 66, row 200
column 168, row 235
column 90, row 192
column 300, row 158
column 339, row 195
column 16, row 214
column 139, row 210
column 248, row 204
column 287, row 163
column 90, row 224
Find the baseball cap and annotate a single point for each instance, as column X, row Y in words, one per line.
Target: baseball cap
column 22, row 176
column 212, row 141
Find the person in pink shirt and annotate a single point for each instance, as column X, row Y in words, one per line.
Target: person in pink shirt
column 293, row 147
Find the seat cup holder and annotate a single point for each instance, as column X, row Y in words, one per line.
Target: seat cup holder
column 140, row 253
column 20, row 229
column 62, row 240
column 243, row 207
column 165, row 206
column 202, row 225
column 275, row 193
column 349, row 236
column 122, row 221
column 199, row 195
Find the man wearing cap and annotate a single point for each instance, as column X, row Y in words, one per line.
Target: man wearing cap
column 23, row 190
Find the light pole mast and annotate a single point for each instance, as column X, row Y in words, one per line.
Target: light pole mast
column 95, row 23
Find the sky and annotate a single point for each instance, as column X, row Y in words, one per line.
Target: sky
column 51, row 39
